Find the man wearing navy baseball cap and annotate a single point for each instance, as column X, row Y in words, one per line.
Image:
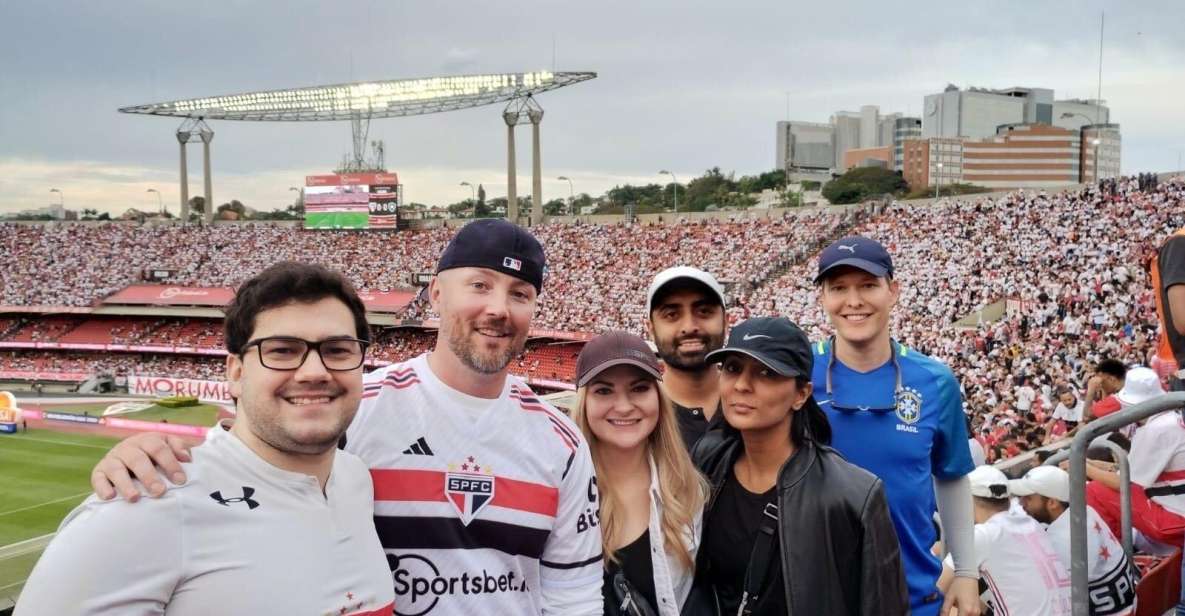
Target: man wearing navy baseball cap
column 898, row 414
column 443, row 434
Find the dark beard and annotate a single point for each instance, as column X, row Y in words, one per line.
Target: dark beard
column 667, row 351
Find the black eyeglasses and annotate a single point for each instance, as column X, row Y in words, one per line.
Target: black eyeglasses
column 289, row 353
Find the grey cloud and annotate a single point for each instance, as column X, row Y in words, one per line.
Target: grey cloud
column 687, row 85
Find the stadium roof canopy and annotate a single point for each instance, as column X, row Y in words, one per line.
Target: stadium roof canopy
column 367, row 99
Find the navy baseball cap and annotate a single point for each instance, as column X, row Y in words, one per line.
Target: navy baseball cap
column 776, row 342
column 499, row 245
column 856, row 251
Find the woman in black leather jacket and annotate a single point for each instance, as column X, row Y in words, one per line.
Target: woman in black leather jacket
column 790, row 526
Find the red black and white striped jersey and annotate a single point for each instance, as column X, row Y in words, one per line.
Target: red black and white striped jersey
column 482, row 506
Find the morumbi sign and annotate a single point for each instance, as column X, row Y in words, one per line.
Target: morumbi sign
column 164, row 387
column 217, row 297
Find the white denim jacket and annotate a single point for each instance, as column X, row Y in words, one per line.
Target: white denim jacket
column 672, row 582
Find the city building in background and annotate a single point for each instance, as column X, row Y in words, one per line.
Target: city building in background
column 1023, row 155
column 1103, row 141
column 904, row 129
column 927, row 161
column 869, row 157
column 977, row 113
column 824, row 147
column 999, row 138
column 805, row 146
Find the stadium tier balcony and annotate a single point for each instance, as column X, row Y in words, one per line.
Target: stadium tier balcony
column 44, row 329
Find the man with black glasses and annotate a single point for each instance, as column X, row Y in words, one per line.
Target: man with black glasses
column 484, row 495
column 273, row 518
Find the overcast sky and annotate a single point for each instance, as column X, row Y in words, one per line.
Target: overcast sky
column 682, row 85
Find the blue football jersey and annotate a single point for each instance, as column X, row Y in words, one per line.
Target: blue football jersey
column 904, row 423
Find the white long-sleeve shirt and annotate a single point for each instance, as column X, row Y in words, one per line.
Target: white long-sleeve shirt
column 239, row 537
column 672, row 581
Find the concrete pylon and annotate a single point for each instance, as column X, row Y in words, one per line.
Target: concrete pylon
column 511, row 119
column 182, row 139
column 536, row 116
column 207, row 136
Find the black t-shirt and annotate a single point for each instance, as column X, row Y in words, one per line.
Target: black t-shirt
column 693, row 424
column 1171, row 262
column 729, row 535
column 634, row 560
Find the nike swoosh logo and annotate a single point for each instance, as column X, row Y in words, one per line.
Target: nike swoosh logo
column 749, row 337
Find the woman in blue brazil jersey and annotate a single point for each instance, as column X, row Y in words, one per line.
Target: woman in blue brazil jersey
column 898, row 414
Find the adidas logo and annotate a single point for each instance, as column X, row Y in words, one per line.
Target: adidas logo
column 419, row 448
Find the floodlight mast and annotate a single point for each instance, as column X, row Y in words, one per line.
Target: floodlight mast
column 184, row 134
column 525, row 108
column 363, row 101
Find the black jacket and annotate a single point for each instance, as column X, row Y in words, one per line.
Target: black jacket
column 838, row 547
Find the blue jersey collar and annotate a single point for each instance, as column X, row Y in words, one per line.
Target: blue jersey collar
column 828, row 348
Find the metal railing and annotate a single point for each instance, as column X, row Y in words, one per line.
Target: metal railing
column 1080, row 598
column 1125, row 486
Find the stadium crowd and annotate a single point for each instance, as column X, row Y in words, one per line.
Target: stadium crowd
column 593, row 276
column 116, row 364
column 1069, row 268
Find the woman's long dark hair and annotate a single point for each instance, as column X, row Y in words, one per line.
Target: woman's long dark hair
column 809, row 422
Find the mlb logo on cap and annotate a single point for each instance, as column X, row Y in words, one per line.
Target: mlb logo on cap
column 485, row 243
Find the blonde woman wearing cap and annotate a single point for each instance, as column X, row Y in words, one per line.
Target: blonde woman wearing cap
column 790, row 527
column 651, row 495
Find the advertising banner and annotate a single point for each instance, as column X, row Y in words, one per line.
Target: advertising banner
column 386, row 301
column 36, row 375
column 153, row 426
column 164, row 387
column 377, row 301
column 163, row 295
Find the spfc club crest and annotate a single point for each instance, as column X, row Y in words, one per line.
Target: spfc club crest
column 469, row 486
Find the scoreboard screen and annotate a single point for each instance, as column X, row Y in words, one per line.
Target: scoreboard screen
column 352, row 201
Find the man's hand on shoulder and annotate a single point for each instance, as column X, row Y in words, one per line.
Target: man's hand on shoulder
column 147, row 457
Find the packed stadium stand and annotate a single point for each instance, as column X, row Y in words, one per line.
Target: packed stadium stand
column 1024, row 289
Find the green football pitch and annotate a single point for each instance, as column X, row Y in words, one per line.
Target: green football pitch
column 43, row 475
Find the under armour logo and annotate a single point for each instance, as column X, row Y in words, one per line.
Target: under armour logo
column 245, row 498
column 851, row 249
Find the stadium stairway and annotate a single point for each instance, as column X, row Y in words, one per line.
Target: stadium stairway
column 795, row 255
column 97, row 384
